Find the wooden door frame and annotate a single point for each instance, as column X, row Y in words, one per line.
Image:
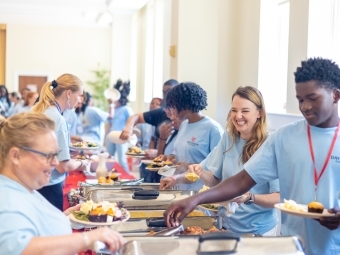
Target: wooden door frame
column 17, row 74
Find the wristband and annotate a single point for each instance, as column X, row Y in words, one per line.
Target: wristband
column 163, row 139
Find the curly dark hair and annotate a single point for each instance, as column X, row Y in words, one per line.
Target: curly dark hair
column 324, row 71
column 124, row 89
column 187, row 96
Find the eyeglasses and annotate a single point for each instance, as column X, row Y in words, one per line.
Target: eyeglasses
column 49, row 157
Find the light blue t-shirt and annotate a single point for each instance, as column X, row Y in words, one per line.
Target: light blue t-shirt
column 14, row 109
column 71, row 120
column 63, row 139
column 122, row 113
column 93, row 119
column 247, row 218
column 285, row 155
column 24, row 215
column 147, row 131
column 169, row 149
column 194, row 142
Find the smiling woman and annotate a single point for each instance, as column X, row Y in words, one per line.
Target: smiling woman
column 29, row 223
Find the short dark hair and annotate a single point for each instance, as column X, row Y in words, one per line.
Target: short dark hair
column 324, row 71
column 187, row 96
column 171, row 82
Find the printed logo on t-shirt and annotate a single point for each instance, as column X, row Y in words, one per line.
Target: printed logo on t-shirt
column 192, row 142
column 336, row 158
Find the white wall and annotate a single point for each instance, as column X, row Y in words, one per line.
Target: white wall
column 54, row 50
column 217, row 47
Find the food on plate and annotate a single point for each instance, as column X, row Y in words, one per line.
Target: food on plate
column 158, row 159
column 106, row 179
column 210, row 206
column 204, row 188
column 292, row 205
column 100, row 212
column 84, row 144
column 167, row 163
column 315, row 207
column 155, row 165
column 135, row 150
column 159, row 214
column 102, row 180
column 193, row 230
column 98, row 215
column 192, row 177
column 114, row 175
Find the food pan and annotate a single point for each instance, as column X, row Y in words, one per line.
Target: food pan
column 165, row 198
column 210, row 244
column 144, row 227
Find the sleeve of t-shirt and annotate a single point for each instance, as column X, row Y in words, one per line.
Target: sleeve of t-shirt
column 152, row 117
column 15, row 232
column 215, row 137
column 214, row 161
column 100, row 115
column 262, row 166
column 63, row 143
column 274, row 186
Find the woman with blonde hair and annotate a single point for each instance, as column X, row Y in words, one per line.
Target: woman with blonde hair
column 246, row 131
column 29, row 223
column 55, row 97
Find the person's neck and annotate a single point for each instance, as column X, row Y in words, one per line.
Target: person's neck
column 246, row 136
column 62, row 104
column 7, row 172
column 332, row 122
column 195, row 117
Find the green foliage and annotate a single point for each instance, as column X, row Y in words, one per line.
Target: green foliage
column 99, row 85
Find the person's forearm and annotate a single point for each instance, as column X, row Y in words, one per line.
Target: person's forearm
column 161, row 146
column 69, row 244
column 228, row 189
column 133, row 120
column 209, row 179
column 267, row 200
column 69, row 165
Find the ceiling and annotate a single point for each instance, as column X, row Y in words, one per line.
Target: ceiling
column 66, row 12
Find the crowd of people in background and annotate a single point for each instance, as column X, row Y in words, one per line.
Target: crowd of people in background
column 242, row 163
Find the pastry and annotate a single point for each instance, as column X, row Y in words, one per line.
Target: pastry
column 192, row 177
column 101, row 180
column 98, row 215
column 315, row 207
column 167, row 163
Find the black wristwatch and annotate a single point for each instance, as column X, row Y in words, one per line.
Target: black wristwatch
column 251, row 199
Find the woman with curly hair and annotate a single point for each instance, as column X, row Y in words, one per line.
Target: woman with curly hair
column 117, row 123
column 198, row 134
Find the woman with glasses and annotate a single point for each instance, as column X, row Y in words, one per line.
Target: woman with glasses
column 29, row 223
column 55, row 97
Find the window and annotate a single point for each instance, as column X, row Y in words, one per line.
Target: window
column 153, row 81
column 273, row 54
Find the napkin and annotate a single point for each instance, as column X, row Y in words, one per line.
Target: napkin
column 231, row 206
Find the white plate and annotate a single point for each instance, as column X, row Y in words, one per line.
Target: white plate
column 154, row 169
column 135, row 155
column 167, row 170
column 84, row 148
column 208, row 209
column 147, row 161
column 305, row 214
column 95, row 224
